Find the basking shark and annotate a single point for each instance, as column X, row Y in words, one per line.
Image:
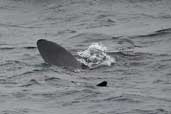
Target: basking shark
column 54, row 54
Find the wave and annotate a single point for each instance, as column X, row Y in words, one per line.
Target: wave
column 12, row 48
column 60, row 2
column 7, row 48
column 152, row 111
column 157, row 33
column 31, row 83
column 40, row 1
column 30, row 47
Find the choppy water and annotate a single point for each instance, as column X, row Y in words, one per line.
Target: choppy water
column 95, row 56
column 138, row 83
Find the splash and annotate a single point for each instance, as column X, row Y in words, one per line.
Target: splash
column 95, row 55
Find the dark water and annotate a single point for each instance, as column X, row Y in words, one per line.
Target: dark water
column 138, row 83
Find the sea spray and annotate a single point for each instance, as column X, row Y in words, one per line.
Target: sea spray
column 95, row 55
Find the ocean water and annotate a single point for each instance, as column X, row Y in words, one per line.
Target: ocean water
column 136, row 33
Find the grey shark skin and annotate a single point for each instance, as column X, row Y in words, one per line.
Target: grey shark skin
column 54, row 54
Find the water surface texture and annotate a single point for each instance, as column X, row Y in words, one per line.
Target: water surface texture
column 137, row 34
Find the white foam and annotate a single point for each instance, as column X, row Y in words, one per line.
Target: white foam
column 95, row 55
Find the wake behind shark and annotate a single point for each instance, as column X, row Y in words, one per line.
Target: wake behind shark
column 54, row 54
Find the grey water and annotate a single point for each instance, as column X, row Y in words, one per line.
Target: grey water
column 137, row 34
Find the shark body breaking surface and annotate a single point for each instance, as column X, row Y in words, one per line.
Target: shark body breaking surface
column 54, row 54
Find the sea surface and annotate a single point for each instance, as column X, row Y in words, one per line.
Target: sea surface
column 137, row 33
